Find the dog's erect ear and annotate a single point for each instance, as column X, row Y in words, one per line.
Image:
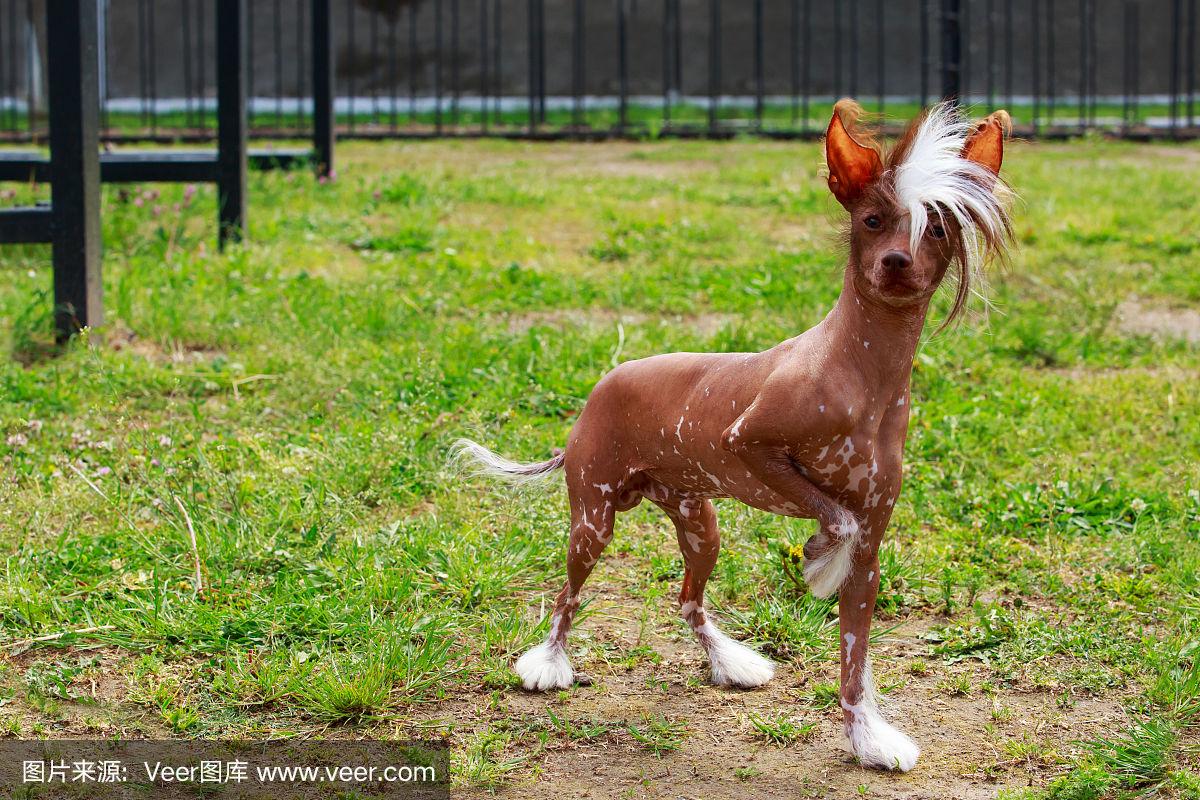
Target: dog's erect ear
column 852, row 166
column 985, row 145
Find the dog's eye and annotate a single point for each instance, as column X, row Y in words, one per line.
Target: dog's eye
column 873, row 222
column 937, row 231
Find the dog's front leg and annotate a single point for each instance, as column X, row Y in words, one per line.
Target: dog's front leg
column 827, row 556
column 875, row 742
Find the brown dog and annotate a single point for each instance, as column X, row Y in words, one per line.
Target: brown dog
column 812, row 428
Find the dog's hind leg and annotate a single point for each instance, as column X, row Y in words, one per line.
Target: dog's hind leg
column 732, row 663
column 593, row 512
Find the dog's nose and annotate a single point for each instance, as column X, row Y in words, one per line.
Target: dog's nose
column 897, row 260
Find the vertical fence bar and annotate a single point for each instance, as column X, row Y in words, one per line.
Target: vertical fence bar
column 533, row 65
column 498, row 64
column 31, row 99
column 1051, row 57
column 880, row 67
column 1083, row 64
column 1191, row 64
column 484, row 63
column 806, row 77
column 1092, row 61
column 853, row 47
column 714, row 62
column 143, row 79
column 455, row 89
column 373, row 37
column 103, row 44
column 437, row 67
column 964, row 86
column 323, row 82
column 152, row 51
column 1127, row 72
column 666, row 64
column 794, row 42
column 990, row 12
column 231, row 120
column 74, row 95
column 12, row 66
column 185, row 17
column 677, row 48
column 1035, row 62
column 541, row 43
column 352, row 72
column 201, row 25
column 951, row 51
column 413, row 65
column 926, row 58
column 248, row 61
column 837, row 48
column 622, row 68
column 1008, row 52
column 759, row 79
column 301, row 72
column 577, row 64
column 1136, row 19
column 1173, row 83
column 277, row 39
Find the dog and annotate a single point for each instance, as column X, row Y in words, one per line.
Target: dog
column 812, row 428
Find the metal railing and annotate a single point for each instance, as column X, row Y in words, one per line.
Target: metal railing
column 594, row 68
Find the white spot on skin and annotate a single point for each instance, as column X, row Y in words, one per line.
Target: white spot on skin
column 821, row 408
column 850, row 639
column 862, row 605
column 866, row 344
column 678, row 428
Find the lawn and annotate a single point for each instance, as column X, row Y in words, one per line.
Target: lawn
column 288, row 405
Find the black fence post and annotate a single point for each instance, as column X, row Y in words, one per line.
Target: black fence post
column 951, row 50
column 714, row 62
column 322, row 80
column 231, row 121
column 74, row 94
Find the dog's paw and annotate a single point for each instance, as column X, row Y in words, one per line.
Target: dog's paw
column 733, row 663
column 545, row 667
column 879, row 745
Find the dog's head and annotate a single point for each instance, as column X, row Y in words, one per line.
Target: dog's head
column 933, row 201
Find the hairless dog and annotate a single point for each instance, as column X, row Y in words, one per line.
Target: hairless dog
column 813, row 427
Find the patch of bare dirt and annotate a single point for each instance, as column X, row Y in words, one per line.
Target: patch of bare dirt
column 1162, row 322
column 972, row 745
column 706, row 324
column 119, row 338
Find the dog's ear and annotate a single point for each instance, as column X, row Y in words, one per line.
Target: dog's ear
column 852, row 166
column 985, row 145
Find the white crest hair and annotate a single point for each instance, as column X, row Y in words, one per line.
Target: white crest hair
column 935, row 175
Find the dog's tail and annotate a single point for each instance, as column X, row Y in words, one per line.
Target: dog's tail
column 478, row 460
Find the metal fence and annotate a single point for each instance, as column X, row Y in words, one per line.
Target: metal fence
column 586, row 68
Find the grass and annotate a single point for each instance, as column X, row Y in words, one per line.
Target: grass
column 294, row 398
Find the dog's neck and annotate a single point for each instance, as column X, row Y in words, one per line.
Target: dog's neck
column 879, row 340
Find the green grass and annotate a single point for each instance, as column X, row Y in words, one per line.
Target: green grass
column 292, row 400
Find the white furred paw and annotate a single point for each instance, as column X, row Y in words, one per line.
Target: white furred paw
column 733, row 663
column 545, row 667
column 881, row 746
